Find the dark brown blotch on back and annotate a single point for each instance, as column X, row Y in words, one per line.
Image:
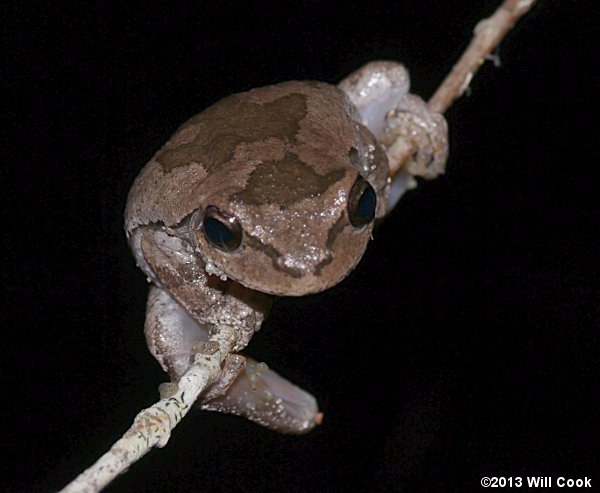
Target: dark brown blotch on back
column 285, row 182
column 231, row 122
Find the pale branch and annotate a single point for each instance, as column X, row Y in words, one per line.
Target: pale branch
column 403, row 149
column 152, row 426
column 487, row 35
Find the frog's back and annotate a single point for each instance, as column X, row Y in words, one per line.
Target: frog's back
column 216, row 150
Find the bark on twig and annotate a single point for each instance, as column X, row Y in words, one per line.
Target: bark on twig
column 487, row 35
column 152, row 426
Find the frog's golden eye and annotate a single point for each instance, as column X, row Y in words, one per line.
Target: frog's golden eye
column 222, row 230
column 362, row 202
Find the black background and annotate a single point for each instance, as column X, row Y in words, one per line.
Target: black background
column 464, row 345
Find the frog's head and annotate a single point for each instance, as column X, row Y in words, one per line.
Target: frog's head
column 280, row 186
column 292, row 211
column 294, row 232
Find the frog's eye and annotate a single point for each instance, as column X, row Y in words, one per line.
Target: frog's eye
column 361, row 203
column 222, row 230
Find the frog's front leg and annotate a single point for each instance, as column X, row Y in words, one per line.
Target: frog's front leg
column 172, row 337
column 210, row 299
column 246, row 388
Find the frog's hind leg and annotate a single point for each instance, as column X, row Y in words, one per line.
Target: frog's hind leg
column 261, row 395
column 246, row 388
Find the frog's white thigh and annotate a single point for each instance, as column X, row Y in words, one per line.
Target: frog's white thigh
column 171, row 332
column 375, row 90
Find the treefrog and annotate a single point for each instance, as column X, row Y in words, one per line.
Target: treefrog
column 270, row 192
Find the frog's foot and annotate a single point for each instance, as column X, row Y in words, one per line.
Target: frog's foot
column 263, row 396
column 233, row 365
column 415, row 137
column 245, row 388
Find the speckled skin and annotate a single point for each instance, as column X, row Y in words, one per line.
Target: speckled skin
column 282, row 160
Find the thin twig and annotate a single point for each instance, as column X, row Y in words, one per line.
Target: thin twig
column 488, row 34
column 152, row 426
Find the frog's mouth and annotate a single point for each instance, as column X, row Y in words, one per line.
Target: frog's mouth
column 297, row 272
column 287, row 282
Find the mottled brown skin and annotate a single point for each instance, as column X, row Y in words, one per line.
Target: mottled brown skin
column 281, row 160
